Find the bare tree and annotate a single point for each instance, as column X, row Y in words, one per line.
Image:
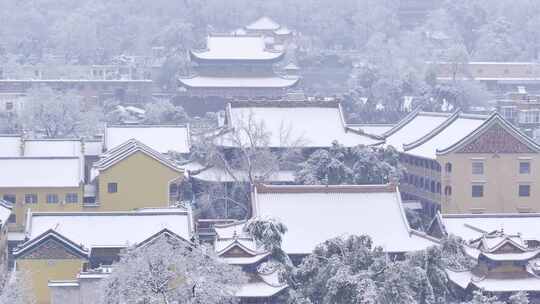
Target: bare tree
column 241, row 157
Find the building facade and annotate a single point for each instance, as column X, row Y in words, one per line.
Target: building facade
column 237, row 66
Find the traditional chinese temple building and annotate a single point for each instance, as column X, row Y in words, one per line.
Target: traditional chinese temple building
column 234, row 65
column 504, row 264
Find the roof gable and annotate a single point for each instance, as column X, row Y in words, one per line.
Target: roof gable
column 129, row 148
column 50, row 245
column 495, row 135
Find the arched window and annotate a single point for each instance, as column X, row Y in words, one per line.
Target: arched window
column 448, row 167
column 448, row 191
column 438, row 187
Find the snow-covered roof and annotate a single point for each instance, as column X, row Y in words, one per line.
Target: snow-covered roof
column 162, row 138
column 129, row 148
column 234, row 47
column 10, row 145
column 413, row 127
column 263, row 24
column 295, row 126
column 257, row 287
column 43, row 172
column 99, row 229
column 239, row 82
column 494, row 120
column 93, row 147
column 450, row 132
column 232, row 235
column 314, row 214
column 214, row 174
column 524, row 282
column 282, row 31
column 473, row 226
column 375, row 129
column 52, row 147
column 5, row 211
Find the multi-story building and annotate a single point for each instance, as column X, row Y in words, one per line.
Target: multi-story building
column 237, row 66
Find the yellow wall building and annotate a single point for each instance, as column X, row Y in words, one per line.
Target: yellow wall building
column 63, row 244
column 493, row 170
column 135, row 176
column 473, row 164
column 41, row 183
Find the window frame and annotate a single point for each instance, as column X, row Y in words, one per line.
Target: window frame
column 477, row 186
column 477, row 164
column 112, row 187
column 51, row 195
column 528, row 187
column 30, row 195
column 68, row 196
column 528, row 162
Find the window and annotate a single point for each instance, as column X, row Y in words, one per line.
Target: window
column 173, row 189
column 52, row 198
column 12, row 218
column 30, row 198
column 9, row 106
column 524, row 167
column 10, row 198
column 524, row 190
column 72, row 198
column 448, row 167
column 438, row 187
column 478, row 168
column 112, row 187
column 448, row 191
column 477, row 190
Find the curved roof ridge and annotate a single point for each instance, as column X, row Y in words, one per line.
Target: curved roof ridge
column 494, row 118
column 266, row 188
column 433, row 133
column 405, row 120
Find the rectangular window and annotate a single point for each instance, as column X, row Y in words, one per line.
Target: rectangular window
column 478, row 168
column 477, row 190
column 10, row 198
column 524, row 167
column 72, row 198
column 112, row 187
column 30, row 198
column 524, row 190
column 52, row 198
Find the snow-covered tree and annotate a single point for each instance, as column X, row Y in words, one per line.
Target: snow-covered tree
column 57, row 114
column 519, row 298
column 168, row 271
column 15, row 289
column 356, row 165
column 164, row 112
column 480, row 298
